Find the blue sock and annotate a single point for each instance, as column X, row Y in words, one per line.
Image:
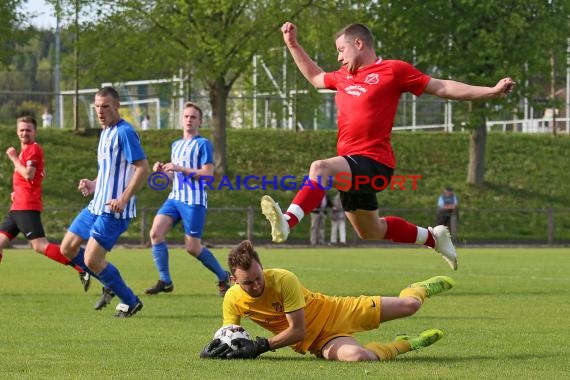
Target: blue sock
column 210, row 262
column 160, row 254
column 79, row 260
column 111, row 278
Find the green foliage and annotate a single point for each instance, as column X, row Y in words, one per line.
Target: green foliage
column 479, row 42
column 504, row 320
column 11, row 31
column 214, row 40
column 524, row 172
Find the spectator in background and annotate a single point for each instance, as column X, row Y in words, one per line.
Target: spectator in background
column 338, row 221
column 447, row 205
column 47, row 118
column 145, row 123
column 318, row 220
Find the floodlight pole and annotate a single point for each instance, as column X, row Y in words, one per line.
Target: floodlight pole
column 58, row 112
column 180, row 95
column 76, row 56
column 568, row 85
column 254, row 111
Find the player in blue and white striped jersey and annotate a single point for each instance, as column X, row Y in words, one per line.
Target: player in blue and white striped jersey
column 122, row 169
column 192, row 159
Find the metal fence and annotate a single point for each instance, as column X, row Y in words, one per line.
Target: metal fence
column 299, row 111
column 546, row 226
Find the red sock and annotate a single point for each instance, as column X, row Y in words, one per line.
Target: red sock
column 53, row 252
column 308, row 199
column 400, row 231
column 430, row 242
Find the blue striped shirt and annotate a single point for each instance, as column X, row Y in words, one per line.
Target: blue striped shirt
column 193, row 153
column 119, row 146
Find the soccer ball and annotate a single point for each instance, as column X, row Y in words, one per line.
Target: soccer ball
column 230, row 332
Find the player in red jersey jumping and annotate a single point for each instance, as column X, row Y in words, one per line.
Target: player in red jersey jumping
column 368, row 89
column 24, row 215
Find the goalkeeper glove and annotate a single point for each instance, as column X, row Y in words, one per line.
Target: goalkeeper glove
column 215, row 350
column 248, row 349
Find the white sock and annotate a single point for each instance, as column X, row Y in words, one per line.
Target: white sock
column 295, row 210
column 422, row 236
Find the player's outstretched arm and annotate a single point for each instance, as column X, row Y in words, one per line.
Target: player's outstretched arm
column 450, row 89
column 310, row 70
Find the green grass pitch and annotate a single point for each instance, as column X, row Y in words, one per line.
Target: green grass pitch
column 506, row 319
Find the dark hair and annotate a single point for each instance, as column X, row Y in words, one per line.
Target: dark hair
column 242, row 256
column 108, row 91
column 195, row 106
column 360, row 31
column 27, row 119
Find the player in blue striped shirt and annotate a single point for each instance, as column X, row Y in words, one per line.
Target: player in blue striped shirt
column 122, row 169
column 192, row 158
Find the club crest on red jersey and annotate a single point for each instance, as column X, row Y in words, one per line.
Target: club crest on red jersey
column 372, row 79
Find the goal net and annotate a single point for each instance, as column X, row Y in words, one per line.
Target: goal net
column 159, row 101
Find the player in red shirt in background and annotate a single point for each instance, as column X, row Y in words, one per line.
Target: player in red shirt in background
column 368, row 89
column 25, row 212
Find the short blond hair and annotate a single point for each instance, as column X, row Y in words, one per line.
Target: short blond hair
column 242, row 256
column 359, row 31
column 195, row 106
column 27, row 119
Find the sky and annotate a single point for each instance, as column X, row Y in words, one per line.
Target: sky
column 43, row 15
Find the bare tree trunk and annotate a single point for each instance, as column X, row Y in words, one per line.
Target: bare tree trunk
column 218, row 100
column 476, row 166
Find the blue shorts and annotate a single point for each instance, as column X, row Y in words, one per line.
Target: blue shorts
column 193, row 216
column 104, row 228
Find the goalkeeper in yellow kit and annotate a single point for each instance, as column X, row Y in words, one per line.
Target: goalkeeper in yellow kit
column 312, row 322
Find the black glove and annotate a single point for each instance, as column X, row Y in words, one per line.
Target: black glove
column 248, row 349
column 215, row 350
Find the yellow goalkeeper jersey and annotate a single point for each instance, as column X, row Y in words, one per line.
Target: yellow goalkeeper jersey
column 326, row 317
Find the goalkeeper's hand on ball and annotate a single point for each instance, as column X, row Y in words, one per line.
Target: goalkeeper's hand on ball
column 248, row 349
column 215, row 350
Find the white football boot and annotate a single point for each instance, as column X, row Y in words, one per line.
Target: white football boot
column 444, row 245
column 273, row 213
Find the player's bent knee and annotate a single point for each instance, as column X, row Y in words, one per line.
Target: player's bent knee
column 155, row 237
column 94, row 265
column 193, row 249
column 355, row 354
column 317, row 168
column 68, row 250
column 410, row 306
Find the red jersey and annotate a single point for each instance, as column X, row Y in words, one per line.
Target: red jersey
column 27, row 195
column 367, row 102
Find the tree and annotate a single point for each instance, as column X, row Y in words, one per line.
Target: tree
column 480, row 42
column 213, row 40
column 11, row 32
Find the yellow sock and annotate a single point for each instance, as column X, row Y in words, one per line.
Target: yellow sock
column 419, row 293
column 388, row 351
